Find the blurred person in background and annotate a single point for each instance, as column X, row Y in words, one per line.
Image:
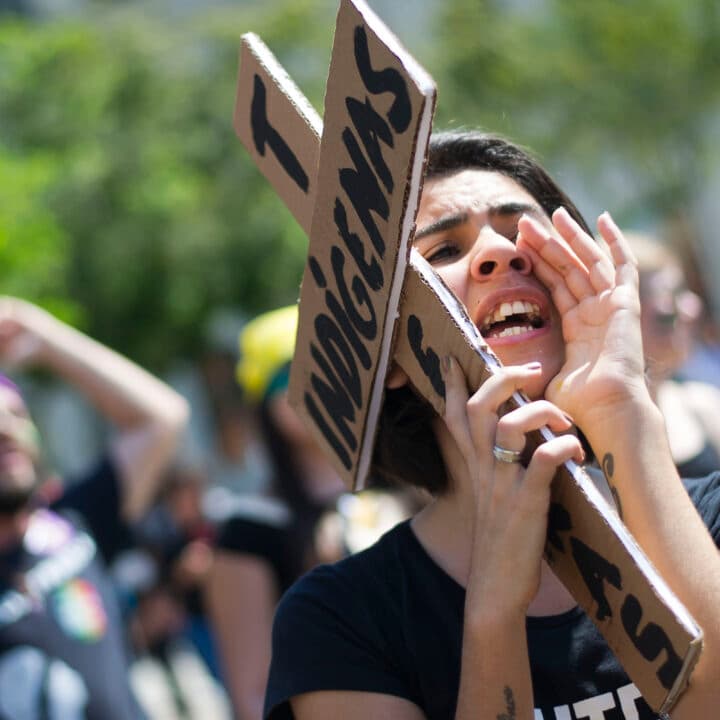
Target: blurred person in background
column 268, row 541
column 62, row 645
column 670, row 312
column 175, row 673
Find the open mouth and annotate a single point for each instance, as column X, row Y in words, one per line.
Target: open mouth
column 509, row 319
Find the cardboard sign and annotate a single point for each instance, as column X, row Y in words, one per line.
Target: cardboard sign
column 588, row 546
column 378, row 110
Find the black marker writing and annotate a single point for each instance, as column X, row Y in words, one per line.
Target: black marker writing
column 559, row 521
column 428, row 359
column 364, row 192
column 651, row 641
column 608, row 466
column 370, row 126
column 596, row 570
column 344, row 332
column 264, row 133
column 372, row 271
column 381, row 81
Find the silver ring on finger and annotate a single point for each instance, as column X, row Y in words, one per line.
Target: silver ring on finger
column 507, row 456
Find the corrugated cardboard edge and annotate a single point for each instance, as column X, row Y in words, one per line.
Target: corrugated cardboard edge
column 680, row 685
column 657, row 584
column 426, row 85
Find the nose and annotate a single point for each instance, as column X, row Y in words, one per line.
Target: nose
column 496, row 255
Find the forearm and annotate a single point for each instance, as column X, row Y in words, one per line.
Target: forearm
column 147, row 414
column 495, row 674
column 123, row 392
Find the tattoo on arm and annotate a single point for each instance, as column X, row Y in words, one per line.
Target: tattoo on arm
column 608, row 466
column 509, row 713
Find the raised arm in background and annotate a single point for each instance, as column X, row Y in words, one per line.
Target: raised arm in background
column 148, row 416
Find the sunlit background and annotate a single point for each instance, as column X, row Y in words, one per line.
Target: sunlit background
column 129, row 208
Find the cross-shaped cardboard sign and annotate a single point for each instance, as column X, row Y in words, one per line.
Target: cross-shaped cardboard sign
column 353, row 183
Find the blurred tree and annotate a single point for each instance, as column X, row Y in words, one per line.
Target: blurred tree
column 128, row 203
column 129, row 206
column 604, row 85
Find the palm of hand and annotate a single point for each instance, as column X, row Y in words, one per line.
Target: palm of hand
column 596, row 294
column 603, row 352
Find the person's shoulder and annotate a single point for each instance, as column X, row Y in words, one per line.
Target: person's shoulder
column 352, row 582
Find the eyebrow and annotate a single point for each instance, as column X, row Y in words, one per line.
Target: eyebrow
column 445, row 223
column 501, row 210
column 514, row 208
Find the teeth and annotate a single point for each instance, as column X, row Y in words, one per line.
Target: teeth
column 518, row 307
column 514, row 330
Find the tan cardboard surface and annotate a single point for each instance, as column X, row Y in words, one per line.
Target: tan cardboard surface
column 270, row 111
column 588, row 546
column 362, row 223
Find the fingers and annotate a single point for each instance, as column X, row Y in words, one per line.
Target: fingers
column 600, row 271
column 547, row 458
column 472, row 420
column 515, row 425
column 456, row 397
column 557, row 257
column 620, row 250
column 571, row 263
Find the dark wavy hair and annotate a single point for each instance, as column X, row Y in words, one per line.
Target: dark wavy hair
column 406, row 449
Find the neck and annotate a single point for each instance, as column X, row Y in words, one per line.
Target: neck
column 444, row 528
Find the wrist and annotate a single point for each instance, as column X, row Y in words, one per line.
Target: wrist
column 493, row 618
column 629, row 403
column 634, row 429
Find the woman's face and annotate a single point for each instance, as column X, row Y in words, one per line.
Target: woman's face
column 467, row 227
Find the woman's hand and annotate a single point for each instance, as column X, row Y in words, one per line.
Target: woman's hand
column 509, row 501
column 596, row 294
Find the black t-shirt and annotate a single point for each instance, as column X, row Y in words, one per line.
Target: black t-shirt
column 62, row 650
column 94, row 498
column 262, row 527
column 389, row 620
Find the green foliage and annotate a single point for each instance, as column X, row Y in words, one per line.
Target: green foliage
column 129, row 206
column 128, row 201
column 588, row 82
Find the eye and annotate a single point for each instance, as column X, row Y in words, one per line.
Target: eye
column 441, row 253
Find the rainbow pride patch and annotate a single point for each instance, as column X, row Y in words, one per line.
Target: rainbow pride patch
column 79, row 610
